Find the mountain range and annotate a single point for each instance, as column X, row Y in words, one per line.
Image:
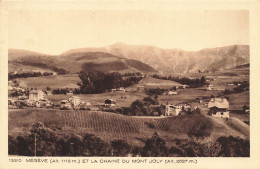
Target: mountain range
column 144, row 58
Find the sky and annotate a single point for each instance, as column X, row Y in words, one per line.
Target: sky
column 56, row 31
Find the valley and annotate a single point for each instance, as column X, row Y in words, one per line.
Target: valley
column 126, row 92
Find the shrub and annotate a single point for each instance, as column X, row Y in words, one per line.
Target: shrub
column 234, row 147
column 120, row 148
column 95, row 146
column 155, row 147
column 151, row 100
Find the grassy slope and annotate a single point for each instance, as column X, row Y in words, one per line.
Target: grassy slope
column 54, row 82
column 111, row 126
column 75, row 62
column 238, row 100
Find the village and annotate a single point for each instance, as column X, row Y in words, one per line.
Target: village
column 33, row 98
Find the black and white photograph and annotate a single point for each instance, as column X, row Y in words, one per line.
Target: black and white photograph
column 128, row 83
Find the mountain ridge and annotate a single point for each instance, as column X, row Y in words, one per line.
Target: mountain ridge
column 74, row 63
column 165, row 60
column 177, row 60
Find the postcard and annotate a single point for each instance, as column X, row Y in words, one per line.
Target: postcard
column 129, row 84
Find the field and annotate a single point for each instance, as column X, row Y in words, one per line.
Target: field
column 238, row 100
column 54, row 82
column 186, row 95
column 135, row 130
column 12, row 67
column 158, row 83
column 228, row 75
column 223, row 76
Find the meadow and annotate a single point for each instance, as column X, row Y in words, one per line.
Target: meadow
column 187, row 95
column 238, row 100
column 158, row 83
column 54, row 82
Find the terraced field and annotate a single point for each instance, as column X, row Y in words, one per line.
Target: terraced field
column 136, row 130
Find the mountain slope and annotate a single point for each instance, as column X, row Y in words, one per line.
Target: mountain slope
column 17, row 53
column 75, row 62
column 175, row 60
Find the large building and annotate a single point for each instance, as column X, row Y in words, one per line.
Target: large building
column 36, row 95
column 218, row 107
column 172, row 110
column 65, row 104
column 210, row 87
column 172, row 93
column 74, row 100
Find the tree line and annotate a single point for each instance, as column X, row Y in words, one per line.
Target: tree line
column 28, row 74
column 132, row 74
column 193, row 83
column 100, row 82
column 49, row 144
column 156, row 91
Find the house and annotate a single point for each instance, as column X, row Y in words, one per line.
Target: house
column 38, row 104
column 10, row 88
column 210, row 87
column 11, row 101
column 172, row 93
column 113, row 90
column 65, row 104
column 36, row 95
column 88, row 104
column 185, row 86
column 172, row 110
column 74, row 100
column 109, row 103
column 247, row 111
column 198, row 100
column 69, row 93
column 183, row 106
column 23, row 97
column 121, row 89
column 48, row 93
column 218, row 107
column 47, row 103
column 209, row 79
column 54, row 73
column 18, row 89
